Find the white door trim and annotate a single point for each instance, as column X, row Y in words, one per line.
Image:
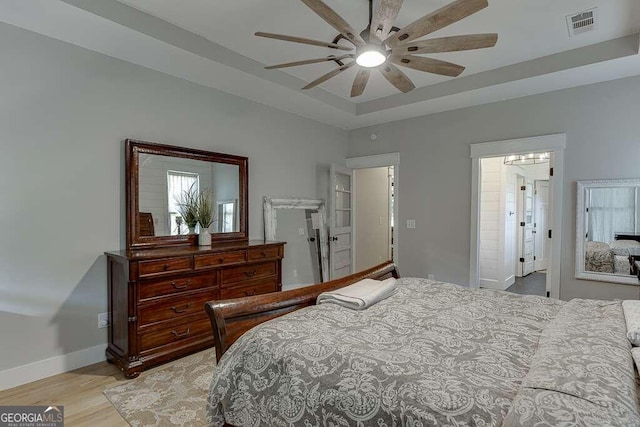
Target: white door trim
column 376, row 161
column 552, row 143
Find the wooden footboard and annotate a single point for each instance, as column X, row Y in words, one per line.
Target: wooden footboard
column 233, row 317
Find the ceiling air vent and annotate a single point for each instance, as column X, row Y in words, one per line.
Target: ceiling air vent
column 582, row 22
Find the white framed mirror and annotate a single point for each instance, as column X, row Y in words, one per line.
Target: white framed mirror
column 608, row 230
column 301, row 223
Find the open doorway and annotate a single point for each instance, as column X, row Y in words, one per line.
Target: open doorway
column 514, row 215
column 363, row 204
column 555, row 145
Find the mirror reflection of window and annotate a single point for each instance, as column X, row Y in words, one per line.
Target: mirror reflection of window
column 611, row 211
column 177, row 184
column 227, row 216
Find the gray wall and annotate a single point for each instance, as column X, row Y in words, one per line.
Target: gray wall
column 602, row 123
column 64, row 112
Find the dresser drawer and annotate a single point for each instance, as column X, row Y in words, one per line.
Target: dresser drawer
column 212, row 260
column 247, row 272
column 174, row 307
column 255, row 287
column 183, row 332
column 164, row 266
column 155, row 288
column 264, row 253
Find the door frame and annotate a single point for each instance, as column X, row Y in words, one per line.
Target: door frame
column 555, row 144
column 376, row 161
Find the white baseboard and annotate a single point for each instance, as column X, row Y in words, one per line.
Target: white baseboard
column 53, row 366
column 493, row 284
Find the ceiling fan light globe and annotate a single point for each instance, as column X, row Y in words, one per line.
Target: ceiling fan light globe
column 370, row 59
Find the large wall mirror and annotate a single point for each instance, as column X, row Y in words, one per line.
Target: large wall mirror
column 160, row 177
column 302, row 224
column 608, row 231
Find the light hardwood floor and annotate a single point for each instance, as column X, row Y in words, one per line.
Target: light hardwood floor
column 79, row 391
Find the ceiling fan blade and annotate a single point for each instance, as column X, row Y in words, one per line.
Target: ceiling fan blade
column 360, row 82
column 307, row 61
column 329, row 75
column 335, row 20
column 447, row 44
column 429, row 65
column 396, row 77
column 447, row 15
column 303, row 41
column 383, row 19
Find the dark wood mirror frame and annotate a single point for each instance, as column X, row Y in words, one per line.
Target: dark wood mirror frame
column 133, row 149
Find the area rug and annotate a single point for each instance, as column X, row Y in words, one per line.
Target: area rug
column 170, row 395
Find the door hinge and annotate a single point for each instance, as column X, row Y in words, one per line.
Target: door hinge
column 523, row 187
column 522, row 224
column 550, row 234
column 550, row 171
column 548, row 294
column 132, row 318
column 521, row 259
column 534, row 258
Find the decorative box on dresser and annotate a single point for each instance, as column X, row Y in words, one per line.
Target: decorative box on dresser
column 157, row 296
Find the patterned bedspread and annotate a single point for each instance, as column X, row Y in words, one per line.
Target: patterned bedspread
column 432, row 354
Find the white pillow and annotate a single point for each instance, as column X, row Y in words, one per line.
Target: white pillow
column 631, row 310
column 621, row 247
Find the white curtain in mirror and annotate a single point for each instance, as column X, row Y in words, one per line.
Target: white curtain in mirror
column 611, row 210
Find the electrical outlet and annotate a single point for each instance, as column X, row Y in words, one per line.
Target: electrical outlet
column 103, row 320
column 295, row 273
column 431, row 277
column 411, row 223
column 301, row 231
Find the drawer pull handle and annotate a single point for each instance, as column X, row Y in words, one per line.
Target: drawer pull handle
column 249, row 293
column 181, row 310
column 250, row 274
column 175, row 285
column 182, row 334
column 166, row 266
column 263, row 253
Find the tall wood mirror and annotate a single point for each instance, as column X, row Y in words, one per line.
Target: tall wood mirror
column 160, row 176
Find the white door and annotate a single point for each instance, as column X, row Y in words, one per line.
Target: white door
column 340, row 222
column 526, row 235
column 541, row 224
column 510, row 228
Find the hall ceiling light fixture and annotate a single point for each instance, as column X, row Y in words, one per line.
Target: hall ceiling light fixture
column 527, row 159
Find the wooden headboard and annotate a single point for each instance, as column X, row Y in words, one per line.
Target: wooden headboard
column 233, row 317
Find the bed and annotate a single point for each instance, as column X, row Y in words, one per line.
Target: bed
column 432, row 354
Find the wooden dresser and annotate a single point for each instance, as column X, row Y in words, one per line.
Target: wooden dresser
column 157, row 296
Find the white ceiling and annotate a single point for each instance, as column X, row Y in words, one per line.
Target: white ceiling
column 211, row 42
column 527, row 29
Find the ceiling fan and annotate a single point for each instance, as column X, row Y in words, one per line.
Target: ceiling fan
column 381, row 45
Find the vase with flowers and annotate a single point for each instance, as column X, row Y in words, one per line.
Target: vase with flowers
column 205, row 217
column 188, row 208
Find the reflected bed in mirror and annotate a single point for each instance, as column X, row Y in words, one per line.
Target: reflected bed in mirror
column 159, row 177
column 608, row 230
column 301, row 223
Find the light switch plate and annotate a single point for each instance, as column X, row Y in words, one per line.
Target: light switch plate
column 411, row 223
